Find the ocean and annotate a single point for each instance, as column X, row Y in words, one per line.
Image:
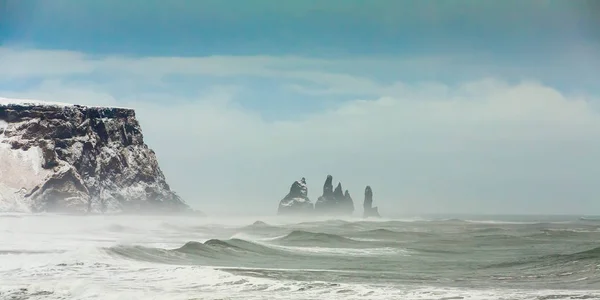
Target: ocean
column 184, row 257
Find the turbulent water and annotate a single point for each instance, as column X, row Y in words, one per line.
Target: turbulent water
column 152, row 257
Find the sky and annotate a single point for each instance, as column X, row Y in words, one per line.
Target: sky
column 440, row 106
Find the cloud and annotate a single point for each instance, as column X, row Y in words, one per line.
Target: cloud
column 362, row 75
column 483, row 145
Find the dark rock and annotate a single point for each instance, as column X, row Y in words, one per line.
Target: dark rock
column 334, row 202
column 347, row 204
column 65, row 191
column 91, row 159
column 369, row 210
column 368, row 198
column 296, row 201
column 328, row 187
column 338, row 193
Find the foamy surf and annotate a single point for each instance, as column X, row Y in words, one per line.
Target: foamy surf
column 135, row 257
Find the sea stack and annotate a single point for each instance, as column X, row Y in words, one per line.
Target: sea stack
column 369, row 210
column 57, row 157
column 296, row 201
column 334, row 202
column 347, row 205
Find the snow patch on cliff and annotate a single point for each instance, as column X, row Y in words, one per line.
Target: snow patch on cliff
column 294, row 201
column 30, row 102
column 3, row 126
column 20, row 172
column 33, row 102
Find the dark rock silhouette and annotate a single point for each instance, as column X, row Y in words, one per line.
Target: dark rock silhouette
column 328, row 187
column 296, row 201
column 334, row 202
column 338, row 193
column 347, row 204
column 325, row 201
column 369, row 210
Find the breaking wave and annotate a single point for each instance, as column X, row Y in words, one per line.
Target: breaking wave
column 316, row 239
column 557, row 261
column 352, row 259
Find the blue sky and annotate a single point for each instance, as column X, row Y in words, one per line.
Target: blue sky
column 334, row 27
column 489, row 82
column 526, row 34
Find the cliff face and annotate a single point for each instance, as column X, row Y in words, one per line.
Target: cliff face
column 296, row 201
column 71, row 158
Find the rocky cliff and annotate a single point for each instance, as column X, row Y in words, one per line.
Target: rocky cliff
column 296, row 201
column 334, row 202
column 369, row 210
column 70, row 158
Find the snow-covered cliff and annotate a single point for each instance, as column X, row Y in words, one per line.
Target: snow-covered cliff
column 58, row 157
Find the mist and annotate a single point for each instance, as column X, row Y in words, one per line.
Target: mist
column 440, row 109
column 517, row 149
column 485, row 146
column 475, row 124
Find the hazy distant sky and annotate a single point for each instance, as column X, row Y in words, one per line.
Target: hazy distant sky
column 440, row 106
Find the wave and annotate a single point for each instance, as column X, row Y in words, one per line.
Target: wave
column 305, row 238
column 233, row 247
column 348, row 252
column 564, row 233
column 489, row 230
column 330, row 225
column 260, row 226
column 387, row 234
column 553, row 260
column 590, row 254
column 325, row 222
column 294, row 250
column 213, row 251
column 20, row 252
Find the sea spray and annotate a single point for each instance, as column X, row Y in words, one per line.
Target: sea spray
column 135, row 257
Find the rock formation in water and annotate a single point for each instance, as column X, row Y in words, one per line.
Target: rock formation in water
column 69, row 158
column 369, row 210
column 348, row 204
column 334, row 202
column 296, row 201
column 326, row 200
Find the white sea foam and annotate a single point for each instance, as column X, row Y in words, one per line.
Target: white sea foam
column 346, row 251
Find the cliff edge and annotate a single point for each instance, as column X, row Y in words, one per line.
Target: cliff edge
column 57, row 157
